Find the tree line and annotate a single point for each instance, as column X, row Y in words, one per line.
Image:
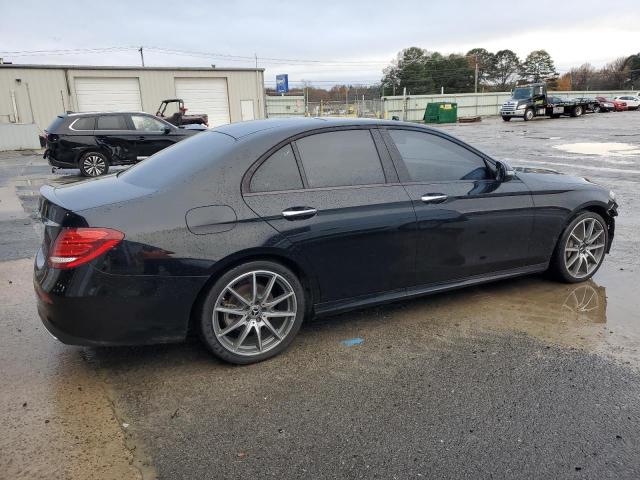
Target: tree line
column 424, row 72
column 621, row 74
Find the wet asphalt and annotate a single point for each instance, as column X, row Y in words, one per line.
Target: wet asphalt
column 525, row 378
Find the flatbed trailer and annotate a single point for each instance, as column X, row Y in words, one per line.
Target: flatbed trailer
column 529, row 101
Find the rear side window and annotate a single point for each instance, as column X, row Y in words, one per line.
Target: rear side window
column 278, row 172
column 86, row 123
column 340, row 158
column 430, row 158
column 112, row 122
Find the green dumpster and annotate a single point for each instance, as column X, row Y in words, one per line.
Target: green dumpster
column 441, row 112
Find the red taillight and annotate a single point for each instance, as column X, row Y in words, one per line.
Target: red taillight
column 75, row 246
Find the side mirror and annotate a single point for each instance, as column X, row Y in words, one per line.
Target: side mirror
column 167, row 130
column 504, row 172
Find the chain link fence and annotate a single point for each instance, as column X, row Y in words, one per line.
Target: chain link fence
column 289, row 106
column 359, row 108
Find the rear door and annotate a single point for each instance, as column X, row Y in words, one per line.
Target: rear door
column 114, row 134
column 335, row 196
column 468, row 223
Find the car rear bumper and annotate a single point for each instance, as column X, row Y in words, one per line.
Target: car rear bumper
column 57, row 163
column 87, row 307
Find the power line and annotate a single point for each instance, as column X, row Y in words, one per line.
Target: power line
column 71, row 51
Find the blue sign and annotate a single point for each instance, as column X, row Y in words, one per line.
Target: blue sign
column 282, row 83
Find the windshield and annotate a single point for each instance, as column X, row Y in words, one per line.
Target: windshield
column 179, row 161
column 522, row 93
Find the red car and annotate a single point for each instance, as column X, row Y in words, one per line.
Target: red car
column 618, row 106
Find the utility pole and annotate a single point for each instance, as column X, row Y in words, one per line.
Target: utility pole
column 346, row 99
column 260, row 88
column 404, row 104
column 141, row 56
column 476, row 76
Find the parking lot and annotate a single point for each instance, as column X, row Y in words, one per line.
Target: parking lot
column 524, row 378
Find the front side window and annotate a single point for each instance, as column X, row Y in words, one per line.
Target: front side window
column 430, row 158
column 340, row 158
column 112, row 122
column 147, row 124
column 279, row 172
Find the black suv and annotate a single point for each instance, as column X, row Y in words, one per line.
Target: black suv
column 94, row 141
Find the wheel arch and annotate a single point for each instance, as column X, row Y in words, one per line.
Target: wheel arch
column 600, row 208
column 92, row 148
column 309, row 283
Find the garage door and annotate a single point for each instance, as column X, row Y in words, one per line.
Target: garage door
column 205, row 95
column 108, row 94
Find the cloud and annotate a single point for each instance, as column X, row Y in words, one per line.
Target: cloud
column 328, row 31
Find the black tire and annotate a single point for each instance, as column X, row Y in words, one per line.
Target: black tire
column 218, row 344
column 528, row 115
column 506, row 119
column 577, row 111
column 597, row 109
column 93, row 164
column 558, row 264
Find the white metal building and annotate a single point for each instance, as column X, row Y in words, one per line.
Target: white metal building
column 35, row 94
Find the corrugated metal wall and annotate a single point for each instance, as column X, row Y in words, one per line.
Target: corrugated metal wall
column 470, row 104
column 41, row 91
column 18, row 136
column 52, row 90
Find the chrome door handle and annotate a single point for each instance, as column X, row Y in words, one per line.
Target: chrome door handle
column 295, row 213
column 433, row 198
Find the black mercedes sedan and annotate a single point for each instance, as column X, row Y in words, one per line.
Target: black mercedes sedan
column 241, row 232
column 92, row 142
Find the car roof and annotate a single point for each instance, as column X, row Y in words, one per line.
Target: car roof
column 80, row 114
column 302, row 124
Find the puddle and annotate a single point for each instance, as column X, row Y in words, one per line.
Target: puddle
column 612, row 149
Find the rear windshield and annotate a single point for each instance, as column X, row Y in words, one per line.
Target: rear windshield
column 180, row 161
column 55, row 124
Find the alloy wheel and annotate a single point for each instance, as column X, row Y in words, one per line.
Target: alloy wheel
column 254, row 313
column 585, row 248
column 94, row 165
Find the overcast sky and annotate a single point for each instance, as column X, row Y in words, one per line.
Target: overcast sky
column 346, row 41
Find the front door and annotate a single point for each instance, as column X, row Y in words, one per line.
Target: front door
column 151, row 135
column 468, row 223
column 333, row 199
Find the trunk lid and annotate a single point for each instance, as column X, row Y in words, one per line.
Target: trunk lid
column 93, row 193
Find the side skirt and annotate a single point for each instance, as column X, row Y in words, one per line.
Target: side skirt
column 328, row 308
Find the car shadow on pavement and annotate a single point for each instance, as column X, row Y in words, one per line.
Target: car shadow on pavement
column 570, row 315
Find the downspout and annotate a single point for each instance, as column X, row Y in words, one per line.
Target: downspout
column 33, row 120
column 16, row 117
column 68, row 85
